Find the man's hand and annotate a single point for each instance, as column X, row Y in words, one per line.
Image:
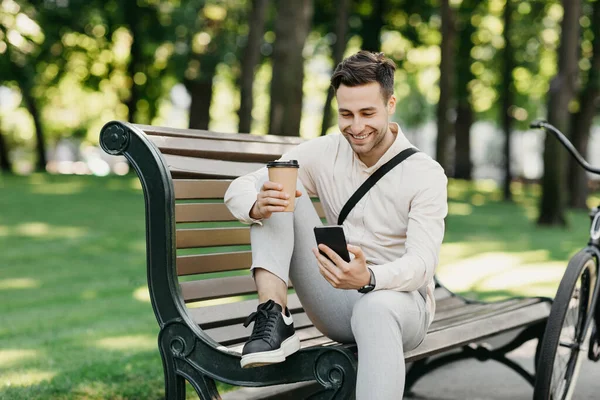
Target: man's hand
column 339, row 273
column 270, row 199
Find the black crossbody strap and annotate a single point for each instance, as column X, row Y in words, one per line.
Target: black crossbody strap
column 372, row 180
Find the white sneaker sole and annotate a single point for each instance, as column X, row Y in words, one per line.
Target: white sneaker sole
column 288, row 347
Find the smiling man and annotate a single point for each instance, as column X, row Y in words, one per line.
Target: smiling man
column 383, row 298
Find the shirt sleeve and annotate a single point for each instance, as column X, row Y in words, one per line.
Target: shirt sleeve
column 242, row 192
column 424, row 235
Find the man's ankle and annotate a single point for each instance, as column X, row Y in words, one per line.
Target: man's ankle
column 281, row 302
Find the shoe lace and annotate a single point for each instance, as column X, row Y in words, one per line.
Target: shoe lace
column 265, row 319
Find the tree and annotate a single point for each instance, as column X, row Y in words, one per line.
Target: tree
column 562, row 92
column 291, row 29
column 21, row 52
column 251, row 58
column 444, row 107
column 507, row 97
column 338, row 48
column 372, row 26
column 5, row 165
column 464, row 111
column 581, row 122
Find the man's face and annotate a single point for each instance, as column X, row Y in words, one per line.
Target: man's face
column 363, row 119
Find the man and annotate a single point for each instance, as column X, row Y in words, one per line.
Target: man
column 394, row 232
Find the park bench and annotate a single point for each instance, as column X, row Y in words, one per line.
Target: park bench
column 201, row 291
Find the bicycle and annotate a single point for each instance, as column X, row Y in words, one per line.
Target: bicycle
column 574, row 320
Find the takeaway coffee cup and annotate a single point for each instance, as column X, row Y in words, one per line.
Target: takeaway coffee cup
column 285, row 173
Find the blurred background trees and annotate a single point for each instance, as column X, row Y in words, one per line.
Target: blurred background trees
column 471, row 76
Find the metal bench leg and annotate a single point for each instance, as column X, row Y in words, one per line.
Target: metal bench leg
column 174, row 383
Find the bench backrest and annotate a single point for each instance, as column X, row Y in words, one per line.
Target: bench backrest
column 213, row 248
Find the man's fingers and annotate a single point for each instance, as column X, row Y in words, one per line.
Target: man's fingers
column 333, row 256
column 273, row 209
column 276, row 194
column 268, row 185
column 332, row 279
column 298, row 193
column 333, row 269
column 357, row 251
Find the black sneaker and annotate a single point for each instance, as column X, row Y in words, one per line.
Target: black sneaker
column 273, row 336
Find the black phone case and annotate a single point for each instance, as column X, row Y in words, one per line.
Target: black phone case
column 333, row 237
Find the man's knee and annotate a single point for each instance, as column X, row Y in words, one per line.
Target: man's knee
column 374, row 308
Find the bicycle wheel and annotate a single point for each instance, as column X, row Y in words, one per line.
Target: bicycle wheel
column 564, row 341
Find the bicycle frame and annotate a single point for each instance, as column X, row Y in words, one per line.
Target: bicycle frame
column 593, row 245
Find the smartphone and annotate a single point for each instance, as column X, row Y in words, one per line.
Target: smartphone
column 333, row 237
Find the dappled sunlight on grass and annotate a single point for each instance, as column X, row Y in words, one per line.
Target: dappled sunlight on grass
column 523, row 276
column 25, row 377
column 18, row 283
column 64, row 188
column 131, row 342
column 459, row 208
column 520, row 272
column 142, row 294
column 12, row 356
column 41, row 229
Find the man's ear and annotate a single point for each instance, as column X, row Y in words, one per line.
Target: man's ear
column 391, row 106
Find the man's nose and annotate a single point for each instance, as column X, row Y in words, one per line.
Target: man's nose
column 357, row 125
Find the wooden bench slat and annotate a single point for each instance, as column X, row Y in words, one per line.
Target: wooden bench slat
column 232, row 313
column 202, row 134
column 467, row 315
column 202, row 212
column 215, row 262
column 226, row 150
column 213, row 212
column 476, row 330
column 217, row 288
column 453, row 312
column 190, row 167
column 200, row 188
column 208, row 237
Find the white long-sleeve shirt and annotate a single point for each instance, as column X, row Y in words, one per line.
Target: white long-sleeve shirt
column 399, row 223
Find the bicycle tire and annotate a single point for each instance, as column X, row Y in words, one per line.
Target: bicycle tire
column 555, row 381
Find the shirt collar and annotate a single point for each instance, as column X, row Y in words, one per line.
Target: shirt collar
column 400, row 143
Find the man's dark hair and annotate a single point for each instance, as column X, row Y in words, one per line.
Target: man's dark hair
column 365, row 67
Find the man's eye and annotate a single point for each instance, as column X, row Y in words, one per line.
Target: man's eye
column 346, row 115
column 368, row 114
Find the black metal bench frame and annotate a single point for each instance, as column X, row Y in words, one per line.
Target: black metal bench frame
column 188, row 353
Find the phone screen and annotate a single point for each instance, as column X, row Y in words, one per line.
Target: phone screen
column 333, row 237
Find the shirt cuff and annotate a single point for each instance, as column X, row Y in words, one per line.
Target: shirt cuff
column 246, row 218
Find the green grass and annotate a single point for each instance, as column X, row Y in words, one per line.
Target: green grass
column 75, row 322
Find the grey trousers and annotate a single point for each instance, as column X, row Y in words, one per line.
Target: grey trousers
column 383, row 323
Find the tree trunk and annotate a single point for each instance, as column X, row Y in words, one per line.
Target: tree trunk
column 39, row 129
column 338, row 48
column 5, row 165
column 201, row 93
column 562, row 91
column 464, row 111
column 135, row 58
column 444, row 108
column 251, row 57
column 371, row 29
column 507, row 98
column 581, row 122
column 291, row 29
